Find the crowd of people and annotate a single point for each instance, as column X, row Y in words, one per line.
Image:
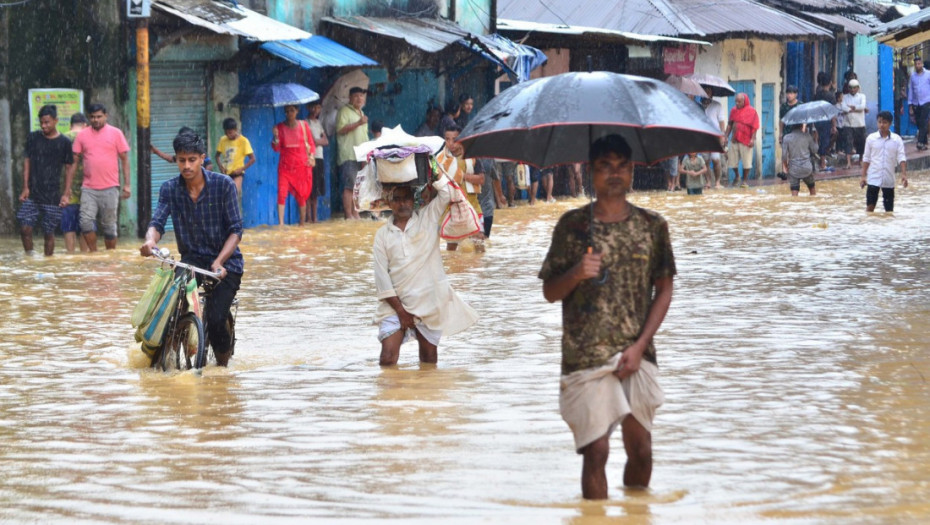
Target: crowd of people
column 92, row 158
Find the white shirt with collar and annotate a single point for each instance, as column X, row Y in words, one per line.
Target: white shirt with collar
column 883, row 154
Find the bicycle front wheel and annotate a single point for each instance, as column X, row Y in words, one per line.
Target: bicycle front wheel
column 186, row 348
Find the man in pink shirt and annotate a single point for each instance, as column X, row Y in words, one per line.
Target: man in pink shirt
column 102, row 148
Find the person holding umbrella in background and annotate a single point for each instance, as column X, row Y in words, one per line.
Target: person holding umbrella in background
column 293, row 139
column 352, row 129
column 797, row 150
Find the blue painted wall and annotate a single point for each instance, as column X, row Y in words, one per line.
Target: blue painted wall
column 402, row 100
column 767, row 119
column 799, row 68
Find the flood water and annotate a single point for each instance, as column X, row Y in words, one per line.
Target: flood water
column 794, row 360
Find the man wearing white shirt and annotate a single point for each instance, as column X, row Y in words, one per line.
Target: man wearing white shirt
column 883, row 151
column 415, row 297
column 853, row 106
column 716, row 114
column 918, row 98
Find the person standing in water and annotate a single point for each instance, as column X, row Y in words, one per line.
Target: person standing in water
column 415, row 299
column 884, row 151
column 47, row 152
column 611, row 265
column 293, row 139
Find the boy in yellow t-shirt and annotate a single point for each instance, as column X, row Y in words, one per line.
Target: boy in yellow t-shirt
column 234, row 153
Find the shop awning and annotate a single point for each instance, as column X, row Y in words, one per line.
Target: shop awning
column 225, row 19
column 433, row 35
column 317, row 51
column 907, row 31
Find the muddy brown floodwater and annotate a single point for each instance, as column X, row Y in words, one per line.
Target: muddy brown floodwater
column 794, row 360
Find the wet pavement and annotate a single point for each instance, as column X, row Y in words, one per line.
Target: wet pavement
column 794, row 360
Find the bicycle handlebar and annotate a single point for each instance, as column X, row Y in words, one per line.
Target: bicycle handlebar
column 162, row 254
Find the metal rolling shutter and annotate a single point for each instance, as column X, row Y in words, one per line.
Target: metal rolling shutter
column 179, row 98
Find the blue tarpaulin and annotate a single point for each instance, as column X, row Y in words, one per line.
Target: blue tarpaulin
column 520, row 59
column 317, row 51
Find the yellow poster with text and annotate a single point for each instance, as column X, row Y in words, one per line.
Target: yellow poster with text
column 66, row 101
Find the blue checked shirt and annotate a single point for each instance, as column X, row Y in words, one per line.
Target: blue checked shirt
column 201, row 228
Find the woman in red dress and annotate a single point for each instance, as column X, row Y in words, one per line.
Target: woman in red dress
column 294, row 141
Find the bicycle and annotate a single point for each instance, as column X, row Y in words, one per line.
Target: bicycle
column 184, row 345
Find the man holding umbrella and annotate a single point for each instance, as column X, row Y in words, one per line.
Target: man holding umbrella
column 612, row 267
column 797, row 150
column 610, row 263
column 352, row 128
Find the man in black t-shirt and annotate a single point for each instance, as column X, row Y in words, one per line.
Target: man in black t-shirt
column 46, row 152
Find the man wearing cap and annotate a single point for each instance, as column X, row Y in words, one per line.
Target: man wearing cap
column 853, row 105
column 918, row 98
column 352, row 129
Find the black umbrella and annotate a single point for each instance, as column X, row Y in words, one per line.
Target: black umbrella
column 554, row 120
column 816, row 111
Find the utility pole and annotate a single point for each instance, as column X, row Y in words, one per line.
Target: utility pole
column 140, row 12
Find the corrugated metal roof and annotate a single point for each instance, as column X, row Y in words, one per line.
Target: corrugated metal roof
column 689, row 18
column 317, row 51
column 901, row 32
column 224, row 19
column 744, row 17
column 821, row 6
column 429, row 34
column 848, row 24
column 644, row 17
column 523, row 25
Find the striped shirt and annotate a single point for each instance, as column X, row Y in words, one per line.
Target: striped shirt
column 202, row 227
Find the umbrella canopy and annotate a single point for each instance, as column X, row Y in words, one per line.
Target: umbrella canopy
column 553, row 120
column 718, row 86
column 338, row 96
column 686, row 86
column 275, row 95
column 816, row 111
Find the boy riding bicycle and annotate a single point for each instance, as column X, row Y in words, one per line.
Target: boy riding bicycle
column 204, row 209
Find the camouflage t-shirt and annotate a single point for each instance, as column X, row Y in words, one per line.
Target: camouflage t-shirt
column 599, row 320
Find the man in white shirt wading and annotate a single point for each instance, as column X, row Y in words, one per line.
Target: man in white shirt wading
column 883, row 151
column 415, row 297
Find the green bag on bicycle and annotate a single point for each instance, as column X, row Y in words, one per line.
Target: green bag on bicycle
column 151, row 333
column 151, row 298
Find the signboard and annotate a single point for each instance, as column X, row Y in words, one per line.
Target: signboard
column 138, row 8
column 66, row 101
column 679, row 60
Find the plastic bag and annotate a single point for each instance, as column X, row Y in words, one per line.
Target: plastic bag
column 143, row 311
column 461, row 220
column 151, row 333
column 367, row 191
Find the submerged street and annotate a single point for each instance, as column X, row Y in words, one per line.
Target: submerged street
column 794, row 362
